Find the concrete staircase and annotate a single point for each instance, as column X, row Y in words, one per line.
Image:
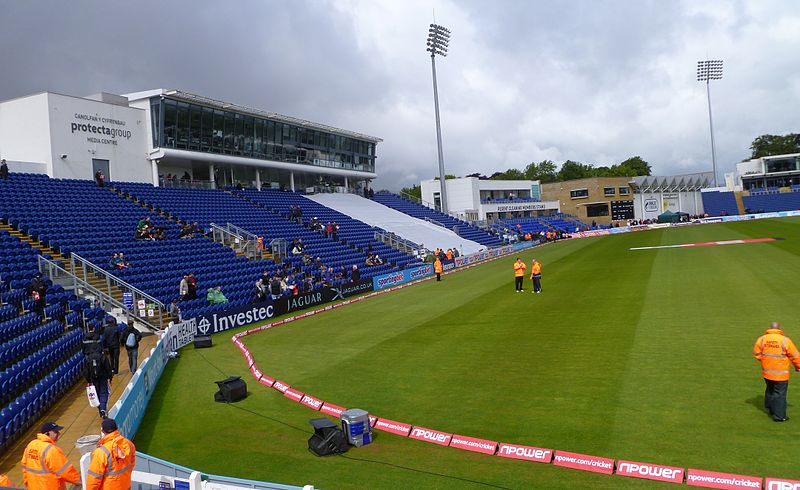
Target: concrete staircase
column 94, row 280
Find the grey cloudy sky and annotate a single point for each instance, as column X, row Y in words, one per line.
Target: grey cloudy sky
column 595, row 81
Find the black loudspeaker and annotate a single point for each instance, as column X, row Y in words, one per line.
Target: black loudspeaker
column 328, row 438
column 231, row 390
column 202, row 342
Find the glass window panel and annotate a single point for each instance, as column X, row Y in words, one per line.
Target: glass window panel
column 182, row 126
column 218, row 132
column 170, row 120
column 155, row 120
column 195, row 120
column 229, row 133
column 238, row 143
column 207, row 129
column 248, row 135
column 258, row 142
column 609, row 191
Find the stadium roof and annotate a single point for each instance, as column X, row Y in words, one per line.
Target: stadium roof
column 675, row 183
column 218, row 104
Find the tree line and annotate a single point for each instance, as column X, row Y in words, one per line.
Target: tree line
column 546, row 171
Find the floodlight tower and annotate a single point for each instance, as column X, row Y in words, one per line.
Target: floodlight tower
column 438, row 40
column 706, row 71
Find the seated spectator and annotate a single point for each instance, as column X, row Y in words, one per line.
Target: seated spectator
column 215, row 296
column 121, row 262
column 307, row 259
column 112, row 262
column 3, row 169
column 318, row 262
column 159, row 233
column 297, row 249
column 370, row 259
column 449, row 253
column 186, row 231
column 378, row 260
column 355, row 274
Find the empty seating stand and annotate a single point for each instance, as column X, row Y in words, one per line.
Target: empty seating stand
column 462, row 228
column 717, row 203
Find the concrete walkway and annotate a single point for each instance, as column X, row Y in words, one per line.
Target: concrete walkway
column 72, row 412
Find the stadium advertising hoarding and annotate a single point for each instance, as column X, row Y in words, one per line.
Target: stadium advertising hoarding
column 400, row 277
column 239, row 316
column 781, row 484
column 649, row 471
column 584, row 462
column 130, row 408
column 728, row 481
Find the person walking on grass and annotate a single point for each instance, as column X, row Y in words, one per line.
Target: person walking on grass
column 519, row 274
column 777, row 353
column 536, row 276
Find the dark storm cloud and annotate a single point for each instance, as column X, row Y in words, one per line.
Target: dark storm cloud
column 593, row 81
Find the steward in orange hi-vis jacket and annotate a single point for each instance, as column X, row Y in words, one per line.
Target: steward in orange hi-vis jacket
column 437, row 268
column 112, row 462
column 519, row 274
column 777, row 353
column 536, row 276
column 44, row 465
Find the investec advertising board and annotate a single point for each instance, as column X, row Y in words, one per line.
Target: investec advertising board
column 239, row 316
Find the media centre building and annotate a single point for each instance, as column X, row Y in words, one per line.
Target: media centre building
column 174, row 138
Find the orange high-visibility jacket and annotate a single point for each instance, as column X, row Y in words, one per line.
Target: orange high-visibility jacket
column 5, row 481
column 112, row 463
column 519, row 268
column 536, row 268
column 449, row 254
column 776, row 352
column 437, row 266
column 45, row 467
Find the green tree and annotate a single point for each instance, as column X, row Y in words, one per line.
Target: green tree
column 770, row 144
column 544, row 171
column 635, row 166
column 415, row 191
column 574, row 170
column 510, row 174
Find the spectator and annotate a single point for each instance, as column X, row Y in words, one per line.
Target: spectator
column 297, row 249
column 183, row 289
column 186, row 231
column 275, row 287
column 111, row 342
column 370, row 259
column 44, row 465
column 355, row 275
column 38, row 291
column 131, row 338
column 98, row 373
column 307, row 259
column 92, row 339
column 215, row 296
column 100, row 178
column 378, row 260
column 260, row 291
column 112, row 262
column 3, row 169
column 174, row 311
column 192, row 285
column 335, row 228
column 121, row 262
column 112, row 461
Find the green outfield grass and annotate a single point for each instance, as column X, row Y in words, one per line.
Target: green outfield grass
column 641, row 355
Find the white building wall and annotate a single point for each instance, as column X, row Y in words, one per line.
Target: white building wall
column 649, row 205
column 86, row 129
column 25, row 134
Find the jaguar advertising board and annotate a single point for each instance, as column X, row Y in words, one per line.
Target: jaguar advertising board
column 239, row 316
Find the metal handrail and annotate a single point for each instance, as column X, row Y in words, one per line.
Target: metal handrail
column 113, row 279
column 397, row 242
column 55, row 271
column 237, row 238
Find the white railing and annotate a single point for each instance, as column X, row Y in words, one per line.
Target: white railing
column 148, row 306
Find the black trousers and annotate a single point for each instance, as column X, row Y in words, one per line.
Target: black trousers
column 537, row 283
column 113, row 359
column 775, row 398
column 518, row 283
column 438, row 276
